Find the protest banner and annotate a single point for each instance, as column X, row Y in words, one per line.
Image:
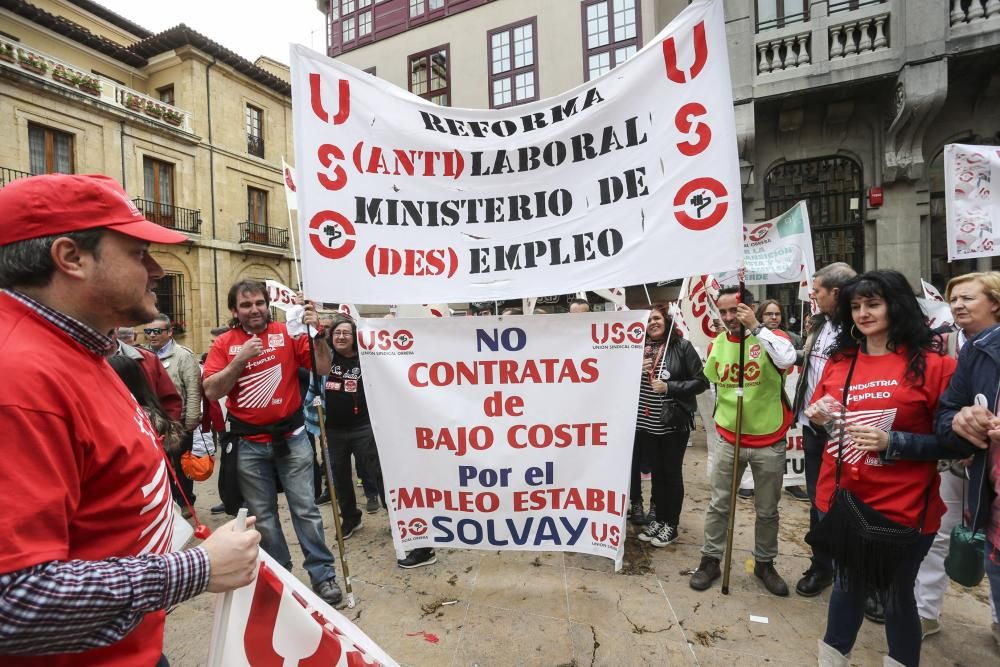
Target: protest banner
column 631, row 177
column 516, row 432
column 938, row 313
column 697, row 305
column 972, row 200
column 288, row 176
column 277, row 620
column 282, row 297
column 778, row 251
column 930, row 292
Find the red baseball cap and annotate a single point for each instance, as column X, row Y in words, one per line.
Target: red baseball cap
column 62, row 203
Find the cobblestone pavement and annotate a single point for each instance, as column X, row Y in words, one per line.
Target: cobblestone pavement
column 486, row 608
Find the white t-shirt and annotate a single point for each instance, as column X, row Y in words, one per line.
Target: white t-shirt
column 818, row 355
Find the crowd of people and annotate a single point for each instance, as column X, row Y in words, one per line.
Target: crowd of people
column 900, row 423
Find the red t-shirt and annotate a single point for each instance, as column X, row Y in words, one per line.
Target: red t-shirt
column 880, row 397
column 83, row 475
column 267, row 390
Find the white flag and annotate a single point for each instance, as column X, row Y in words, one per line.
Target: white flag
column 423, row 310
column 282, row 296
column 938, row 313
column 931, row 292
column 288, row 176
column 972, row 200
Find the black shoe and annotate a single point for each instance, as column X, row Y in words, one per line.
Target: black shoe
column 651, row 515
column 707, row 572
column 745, row 494
column 349, row 526
column 798, row 493
column 418, row 558
column 329, row 592
column 772, row 580
column 874, row 611
column 813, row 582
column 218, row 509
column 323, row 498
column 372, row 504
column 636, row 515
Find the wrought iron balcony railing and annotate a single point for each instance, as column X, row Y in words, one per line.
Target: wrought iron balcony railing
column 255, row 145
column 273, row 237
column 174, row 217
column 8, row 175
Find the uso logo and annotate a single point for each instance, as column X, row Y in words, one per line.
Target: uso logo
column 384, row 341
column 758, row 233
column 415, row 528
column 616, row 333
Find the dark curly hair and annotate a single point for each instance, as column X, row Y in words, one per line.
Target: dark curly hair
column 908, row 328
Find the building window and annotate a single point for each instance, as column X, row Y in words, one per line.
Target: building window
column 513, row 65
column 356, row 19
column 50, row 151
column 423, row 8
column 170, row 299
column 777, row 13
column 166, row 94
column 158, row 186
column 257, row 206
column 347, row 28
column 611, row 34
column 255, row 131
column 430, row 75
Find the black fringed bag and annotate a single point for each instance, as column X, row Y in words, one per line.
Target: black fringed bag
column 866, row 546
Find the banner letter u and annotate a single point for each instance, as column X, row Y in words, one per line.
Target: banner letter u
column 700, row 56
column 316, row 98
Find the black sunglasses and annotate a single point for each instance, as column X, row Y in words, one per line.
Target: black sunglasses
column 155, row 331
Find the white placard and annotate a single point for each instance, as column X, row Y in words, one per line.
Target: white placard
column 493, row 433
column 972, row 200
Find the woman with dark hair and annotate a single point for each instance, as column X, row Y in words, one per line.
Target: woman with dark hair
column 671, row 377
column 878, row 485
column 130, row 372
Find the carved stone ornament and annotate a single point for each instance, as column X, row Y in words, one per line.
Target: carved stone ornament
column 919, row 95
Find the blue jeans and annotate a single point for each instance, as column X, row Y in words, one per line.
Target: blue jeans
column 257, row 467
column 993, row 574
column 902, row 624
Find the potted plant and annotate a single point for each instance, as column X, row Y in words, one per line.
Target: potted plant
column 153, row 109
column 31, row 62
column 7, row 52
column 60, row 74
column 172, row 117
column 89, row 84
column 133, row 102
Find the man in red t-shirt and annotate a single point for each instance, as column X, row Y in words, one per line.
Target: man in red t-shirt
column 255, row 366
column 85, row 573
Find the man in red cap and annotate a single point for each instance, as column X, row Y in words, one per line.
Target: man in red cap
column 85, row 534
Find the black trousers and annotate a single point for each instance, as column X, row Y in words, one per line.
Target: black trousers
column 361, row 443
column 813, row 442
column 187, row 484
column 639, row 461
column 665, row 454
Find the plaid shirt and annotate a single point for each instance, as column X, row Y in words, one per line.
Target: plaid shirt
column 74, row 606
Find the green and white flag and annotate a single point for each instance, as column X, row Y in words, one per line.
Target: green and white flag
column 778, row 251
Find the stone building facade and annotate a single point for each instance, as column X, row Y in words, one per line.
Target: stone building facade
column 838, row 102
column 195, row 133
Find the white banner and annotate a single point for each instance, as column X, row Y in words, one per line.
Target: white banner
column 938, row 313
column 632, row 177
column 931, row 292
column 697, row 306
column 282, row 296
column 778, row 251
column 498, row 443
column 972, row 200
column 278, row 620
column 288, row 175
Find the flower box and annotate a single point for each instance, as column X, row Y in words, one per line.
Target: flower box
column 62, row 76
column 173, row 117
column 133, row 102
column 7, row 53
column 32, row 63
column 92, row 86
column 153, row 110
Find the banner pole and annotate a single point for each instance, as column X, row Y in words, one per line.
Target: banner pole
column 649, row 299
column 734, row 486
column 295, row 255
column 802, row 318
column 328, row 471
column 223, row 606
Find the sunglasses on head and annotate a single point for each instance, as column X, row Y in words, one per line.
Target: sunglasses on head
column 155, row 331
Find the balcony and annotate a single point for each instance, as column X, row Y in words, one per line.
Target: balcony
column 182, row 219
column 38, row 65
column 255, row 145
column 263, row 235
column 8, row 175
column 973, row 24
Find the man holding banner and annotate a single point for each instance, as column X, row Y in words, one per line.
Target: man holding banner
column 766, row 418
column 823, row 330
column 255, row 365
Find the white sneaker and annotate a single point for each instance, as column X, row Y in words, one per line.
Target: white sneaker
column 650, row 531
column 666, row 535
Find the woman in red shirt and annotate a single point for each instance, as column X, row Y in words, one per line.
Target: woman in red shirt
column 885, row 376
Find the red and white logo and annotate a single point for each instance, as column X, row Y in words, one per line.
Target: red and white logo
column 276, row 340
column 257, row 389
column 351, row 386
column 755, row 351
column 701, row 203
column 331, row 235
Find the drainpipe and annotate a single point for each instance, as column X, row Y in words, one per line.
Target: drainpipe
column 211, row 181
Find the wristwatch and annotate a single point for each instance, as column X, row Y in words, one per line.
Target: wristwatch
column 756, row 329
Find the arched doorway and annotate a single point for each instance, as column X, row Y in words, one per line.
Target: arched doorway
column 833, row 190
